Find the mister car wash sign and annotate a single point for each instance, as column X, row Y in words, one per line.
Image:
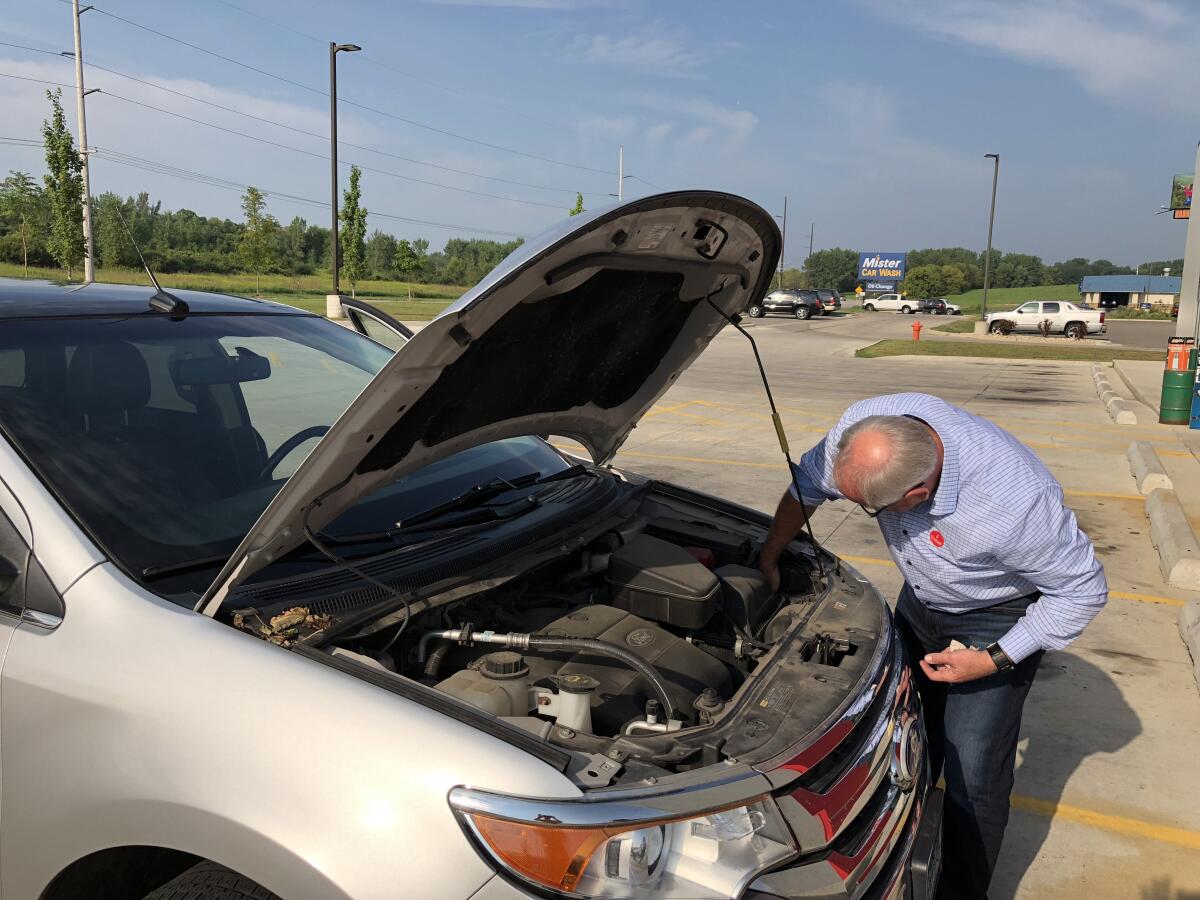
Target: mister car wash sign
column 880, row 271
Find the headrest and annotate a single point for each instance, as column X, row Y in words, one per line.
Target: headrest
column 108, row 378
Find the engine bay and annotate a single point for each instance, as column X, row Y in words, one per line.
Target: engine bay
column 648, row 643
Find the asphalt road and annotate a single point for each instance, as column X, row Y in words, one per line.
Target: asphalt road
column 1147, row 334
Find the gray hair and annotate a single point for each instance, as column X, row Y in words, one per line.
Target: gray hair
column 912, row 459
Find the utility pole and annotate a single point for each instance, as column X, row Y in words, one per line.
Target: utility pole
column 620, row 174
column 782, row 241
column 811, row 228
column 89, row 265
column 987, row 262
column 333, row 302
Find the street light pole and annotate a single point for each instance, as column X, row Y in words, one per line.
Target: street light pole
column 620, row 174
column 333, row 302
column 987, row 262
column 89, row 251
column 783, row 241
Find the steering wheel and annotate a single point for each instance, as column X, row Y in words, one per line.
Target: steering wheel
column 281, row 452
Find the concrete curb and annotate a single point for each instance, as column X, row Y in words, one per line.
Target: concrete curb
column 1120, row 411
column 1178, row 552
column 1140, row 396
column 1147, row 469
column 1189, row 628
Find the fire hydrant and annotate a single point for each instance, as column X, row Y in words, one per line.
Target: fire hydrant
column 916, row 331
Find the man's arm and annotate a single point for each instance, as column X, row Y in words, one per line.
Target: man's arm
column 790, row 517
column 1058, row 558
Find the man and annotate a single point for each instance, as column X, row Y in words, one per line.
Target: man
column 991, row 558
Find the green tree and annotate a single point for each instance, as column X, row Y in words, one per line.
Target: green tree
column 64, row 188
column 381, row 254
column 926, row 281
column 953, row 280
column 407, row 262
column 257, row 246
column 1018, row 270
column 113, row 249
column 353, row 232
column 835, row 268
column 578, row 207
column 20, row 207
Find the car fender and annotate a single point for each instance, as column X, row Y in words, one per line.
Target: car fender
column 139, row 722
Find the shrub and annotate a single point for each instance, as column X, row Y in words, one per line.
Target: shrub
column 1003, row 326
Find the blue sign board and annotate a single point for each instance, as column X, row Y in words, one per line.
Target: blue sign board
column 879, row 268
column 872, row 285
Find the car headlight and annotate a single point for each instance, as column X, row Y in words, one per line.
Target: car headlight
column 711, row 854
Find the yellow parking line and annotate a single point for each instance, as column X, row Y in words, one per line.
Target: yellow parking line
column 1145, row 598
column 866, row 560
column 1106, row 495
column 1118, row 824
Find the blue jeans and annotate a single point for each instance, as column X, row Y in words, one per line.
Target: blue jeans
column 973, row 730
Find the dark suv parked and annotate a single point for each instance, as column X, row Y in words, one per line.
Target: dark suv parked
column 801, row 304
column 936, row 306
column 831, row 300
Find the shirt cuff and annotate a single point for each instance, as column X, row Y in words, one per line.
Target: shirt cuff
column 1019, row 643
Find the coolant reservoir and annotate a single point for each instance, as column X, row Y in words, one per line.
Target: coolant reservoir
column 498, row 683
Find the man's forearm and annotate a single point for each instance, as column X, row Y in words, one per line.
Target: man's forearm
column 790, row 517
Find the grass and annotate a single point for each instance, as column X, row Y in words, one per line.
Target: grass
column 1003, row 351
column 304, row 291
column 959, row 325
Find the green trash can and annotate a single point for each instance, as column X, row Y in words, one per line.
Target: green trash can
column 1175, row 405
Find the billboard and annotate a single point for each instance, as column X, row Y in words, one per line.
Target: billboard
column 878, row 269
column 1181, row 193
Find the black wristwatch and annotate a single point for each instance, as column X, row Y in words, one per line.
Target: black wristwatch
column 999, row 657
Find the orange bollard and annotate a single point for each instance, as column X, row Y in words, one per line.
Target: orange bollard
column 916, row 331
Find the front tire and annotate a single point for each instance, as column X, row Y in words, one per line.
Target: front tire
column 869, row 307
column 803, row 312
column 209, row 881
column 1076, row 330
column 906, row 309
column 756, row 312
column 994, row 328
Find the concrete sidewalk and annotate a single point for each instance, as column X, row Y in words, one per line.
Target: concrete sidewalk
column 1143, row 379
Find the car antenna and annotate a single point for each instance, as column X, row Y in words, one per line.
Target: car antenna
column 736, row 321
column 162, row 301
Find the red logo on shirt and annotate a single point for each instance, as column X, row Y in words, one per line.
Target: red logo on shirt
column 935, row 538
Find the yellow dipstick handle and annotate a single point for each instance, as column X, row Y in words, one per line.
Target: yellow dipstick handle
column 783, row 444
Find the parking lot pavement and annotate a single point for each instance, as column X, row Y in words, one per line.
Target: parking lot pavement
column 1105, row 804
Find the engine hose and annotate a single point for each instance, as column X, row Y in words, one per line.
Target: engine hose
column 434, row 663
column 604, row 648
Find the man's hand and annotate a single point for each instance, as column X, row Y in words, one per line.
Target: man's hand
column 768, row 564
column 957, row 666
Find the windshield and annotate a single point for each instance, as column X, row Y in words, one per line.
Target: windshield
column 168, row 438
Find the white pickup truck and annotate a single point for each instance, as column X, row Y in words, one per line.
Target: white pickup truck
column 897, row 302
column 1066, row 318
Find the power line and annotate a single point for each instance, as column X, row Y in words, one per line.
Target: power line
column 292, row 128
column 367, row 57
column 300, row 150
column 285, row 80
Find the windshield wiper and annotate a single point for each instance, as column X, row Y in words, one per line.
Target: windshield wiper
column 481, row 493
column 152, row 573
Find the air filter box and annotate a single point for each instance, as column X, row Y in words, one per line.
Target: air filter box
column 661, row 581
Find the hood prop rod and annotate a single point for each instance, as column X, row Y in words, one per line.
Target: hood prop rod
column 736, row 322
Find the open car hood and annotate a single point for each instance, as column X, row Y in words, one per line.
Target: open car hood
column 577, row 333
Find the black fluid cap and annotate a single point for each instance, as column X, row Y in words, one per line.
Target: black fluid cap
column 503, row 664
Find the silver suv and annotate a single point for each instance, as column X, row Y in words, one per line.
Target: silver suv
column 288, row 614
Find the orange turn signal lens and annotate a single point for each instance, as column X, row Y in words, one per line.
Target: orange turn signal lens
column 548, row 855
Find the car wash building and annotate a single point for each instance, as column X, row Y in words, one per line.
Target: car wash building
column 1111, row 291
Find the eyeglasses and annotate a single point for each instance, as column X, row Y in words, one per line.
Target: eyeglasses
column 873, row 513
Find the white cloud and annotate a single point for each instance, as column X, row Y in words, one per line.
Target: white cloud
column 530, row 4
column 1134, row 51
column 664, row 56
column 731, row 125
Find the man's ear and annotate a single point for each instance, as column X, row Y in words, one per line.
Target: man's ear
column 920, row 494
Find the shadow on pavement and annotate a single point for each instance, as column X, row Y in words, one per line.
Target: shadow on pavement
column 1074, row 710
column 1160, row 889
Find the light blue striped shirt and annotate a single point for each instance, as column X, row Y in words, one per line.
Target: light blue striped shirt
column 996, row 529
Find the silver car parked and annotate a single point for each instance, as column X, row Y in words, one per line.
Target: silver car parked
column 284, row 613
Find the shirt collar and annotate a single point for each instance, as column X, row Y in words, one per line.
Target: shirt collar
column 945, row 501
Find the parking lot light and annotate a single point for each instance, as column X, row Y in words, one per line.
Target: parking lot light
column 987, row 261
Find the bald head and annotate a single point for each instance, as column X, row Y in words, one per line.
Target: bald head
column 881, row 458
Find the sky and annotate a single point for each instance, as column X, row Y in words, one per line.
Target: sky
column 872, row 117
